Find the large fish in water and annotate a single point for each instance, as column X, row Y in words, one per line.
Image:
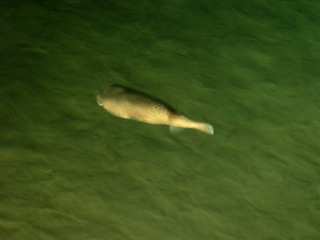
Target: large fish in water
column 127, row 103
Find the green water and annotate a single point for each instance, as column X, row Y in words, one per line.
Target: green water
column 69, row 170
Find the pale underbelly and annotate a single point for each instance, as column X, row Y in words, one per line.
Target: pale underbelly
column 144, row 113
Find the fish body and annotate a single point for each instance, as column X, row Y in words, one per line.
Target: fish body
column 127, row 103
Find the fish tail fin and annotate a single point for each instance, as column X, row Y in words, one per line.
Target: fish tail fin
column 183, row 122
column 206, row 128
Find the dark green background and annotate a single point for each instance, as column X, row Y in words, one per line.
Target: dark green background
column 69, row 170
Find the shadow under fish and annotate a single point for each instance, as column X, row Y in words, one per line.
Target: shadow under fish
column 128, row 103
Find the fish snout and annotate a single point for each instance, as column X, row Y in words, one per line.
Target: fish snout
column 99, row 100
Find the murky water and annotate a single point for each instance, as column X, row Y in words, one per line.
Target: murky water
column 69, row 170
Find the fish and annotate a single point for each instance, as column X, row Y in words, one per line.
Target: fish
column 127, row 103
